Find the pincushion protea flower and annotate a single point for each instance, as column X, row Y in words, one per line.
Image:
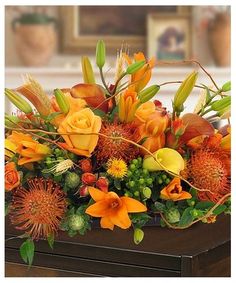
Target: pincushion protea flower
column 39, row 209
column 209, row 169
column 116, row 148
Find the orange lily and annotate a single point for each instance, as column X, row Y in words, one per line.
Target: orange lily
column 128, row 104
column 141, row 78
column 28, row 149
column 174, row 191
column 113, row 209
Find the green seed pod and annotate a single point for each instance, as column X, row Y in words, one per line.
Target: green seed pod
column 62, row 101
column 172, row 215
column 147, row 192
column 148, row 93
column 138, row 236
column 87, row 71
column 100, row 54
column 18, row 101
column 184, row 91
column 227, row 86
column 76, row 222
column 133, row 68
column 72, row 180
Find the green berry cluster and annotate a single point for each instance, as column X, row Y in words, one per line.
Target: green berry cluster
column 138, row 181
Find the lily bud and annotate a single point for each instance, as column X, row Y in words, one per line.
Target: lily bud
column 133, row 68
column 227, row 86
column 184, row 91
column 148, row 93
column 87, row 71
column 138, row 236
column 62, row 101
column 221, row 104
column 18, row 101
column 11, row 121
column 100, row 54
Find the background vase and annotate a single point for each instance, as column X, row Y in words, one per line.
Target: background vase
column 35, row 41
column 219, row 39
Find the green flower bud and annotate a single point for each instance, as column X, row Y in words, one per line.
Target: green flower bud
column 132, row 167
column 226, row 86
column 76, row 222
column 87, row 71
column 141, row 181
column 148, row 93
column 133, row 68
column 136, row 193
column 11, row 121
column 138, row 236
column 221, row 104
column 18, row 101
column 131, row 184
column 72, row 180
column 147, row 192
column 62, row 101
column 184, row 91
column 135, row 161
column 149, row 181
column 172, row 215
column 100, row 54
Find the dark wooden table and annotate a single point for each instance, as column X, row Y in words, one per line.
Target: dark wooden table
column 202, row 250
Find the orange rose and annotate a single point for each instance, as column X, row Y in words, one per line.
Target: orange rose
column 174, row 191
column 12, row 176
column 144, row 111
column 81, row 122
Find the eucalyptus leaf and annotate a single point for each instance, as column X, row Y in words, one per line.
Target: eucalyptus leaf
column 27, row 251
column 186, row 217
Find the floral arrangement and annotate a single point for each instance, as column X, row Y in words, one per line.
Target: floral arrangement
column 114, row 154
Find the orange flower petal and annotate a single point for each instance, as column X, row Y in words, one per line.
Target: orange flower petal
column 185, row 195
column 105, row 222
column 96, row 194
column 121, row 218
column 99, row 209
column 132, row 205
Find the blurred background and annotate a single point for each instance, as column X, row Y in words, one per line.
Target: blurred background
column 48, row 41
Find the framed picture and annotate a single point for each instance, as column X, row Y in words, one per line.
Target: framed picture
column 169, row 37
column 82, row 26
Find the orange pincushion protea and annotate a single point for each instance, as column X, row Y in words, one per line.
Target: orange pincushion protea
column 39, row 209
column 209, row 169
column 116, row 148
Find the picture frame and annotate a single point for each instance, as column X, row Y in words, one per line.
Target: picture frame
column 169, row 37
column 73, row 40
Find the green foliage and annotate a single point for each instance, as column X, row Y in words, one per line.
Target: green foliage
column 139, row 219
column 227, row 86
column 50, row 240
column 186, row 217
column 27, row 251
column 220, row 208
column 138, row 235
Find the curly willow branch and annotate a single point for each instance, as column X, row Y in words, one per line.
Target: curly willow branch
column 31, row 131
column 209, row 213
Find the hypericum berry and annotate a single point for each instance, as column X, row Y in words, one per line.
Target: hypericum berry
column 132, row 167
column 147, row 192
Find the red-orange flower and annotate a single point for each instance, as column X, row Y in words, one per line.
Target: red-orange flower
column 174, row 191
column 39, row 209
column 12, row 176
column 113, row 209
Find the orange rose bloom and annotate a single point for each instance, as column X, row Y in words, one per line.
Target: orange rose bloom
column 12, row 176
column 174, row 191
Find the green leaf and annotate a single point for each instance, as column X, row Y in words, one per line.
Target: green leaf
column 221, row 208
column 50, row 239
column 169, row 204
column 139, row 219
column 159, row 206
column 186, row 217
column 99, row 112
column 203, row 205
column 193, row 192
column 51, row 116
column 113, row 113
column 27, row 251
column 117, row 184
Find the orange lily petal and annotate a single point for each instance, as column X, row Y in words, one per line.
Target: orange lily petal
column 185, row 195
column 121, row 218
column 98, row 209
column 105, row 222
column 96, row 194
column 133, row 205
